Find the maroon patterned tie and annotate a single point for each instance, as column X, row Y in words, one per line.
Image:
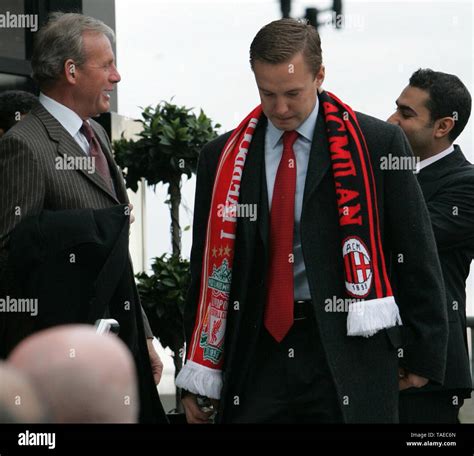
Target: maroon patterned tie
column 278, row 317
column 95, row 151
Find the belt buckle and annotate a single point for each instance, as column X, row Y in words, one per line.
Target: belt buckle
column 299, row 312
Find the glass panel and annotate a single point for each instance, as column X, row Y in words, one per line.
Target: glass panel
column 10, row 82
column 13, row 23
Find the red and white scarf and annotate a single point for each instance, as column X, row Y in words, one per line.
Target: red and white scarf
column 366, row 277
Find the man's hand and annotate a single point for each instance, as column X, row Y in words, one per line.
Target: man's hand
column 408, row 380
column 156, row 364
column 194, row 414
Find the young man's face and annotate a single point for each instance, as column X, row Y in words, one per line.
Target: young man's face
column 414, row 118
column 97, row 77
column 287, row 90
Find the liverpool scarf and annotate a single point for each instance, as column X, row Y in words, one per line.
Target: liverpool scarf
column 366, row 281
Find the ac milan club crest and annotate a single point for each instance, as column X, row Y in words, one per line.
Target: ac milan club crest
column 358, row 267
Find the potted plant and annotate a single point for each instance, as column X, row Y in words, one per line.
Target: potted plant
column 163, row 295
column 167, row 148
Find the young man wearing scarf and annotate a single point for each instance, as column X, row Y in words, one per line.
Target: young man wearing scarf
column 290, row 314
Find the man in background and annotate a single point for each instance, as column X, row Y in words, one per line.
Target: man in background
column 433, row 111
column 14, row 106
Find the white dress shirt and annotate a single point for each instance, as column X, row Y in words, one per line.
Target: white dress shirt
column 434, row 158
column 67, row 118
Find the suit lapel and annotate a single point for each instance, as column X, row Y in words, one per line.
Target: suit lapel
column 68, row 147
column 263, row 208
column 319, row 160
column 430, row 177
column 257, row 148
column 250, row 190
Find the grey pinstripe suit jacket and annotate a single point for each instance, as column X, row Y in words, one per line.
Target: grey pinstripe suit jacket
column 31, row 182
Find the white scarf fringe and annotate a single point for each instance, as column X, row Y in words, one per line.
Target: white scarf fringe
column 199, row 379
column 365, row 318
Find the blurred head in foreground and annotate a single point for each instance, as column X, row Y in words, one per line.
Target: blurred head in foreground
column 82, row 376
column 19, row 402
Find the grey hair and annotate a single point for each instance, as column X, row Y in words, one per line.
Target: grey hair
column 61, row 39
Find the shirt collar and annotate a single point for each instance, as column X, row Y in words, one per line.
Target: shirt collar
column 65, row 116
column 306, row 129
column 429, row 161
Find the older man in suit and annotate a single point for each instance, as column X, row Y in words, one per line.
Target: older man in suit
column 58, row 158
column 291, row 318
column 433, row 111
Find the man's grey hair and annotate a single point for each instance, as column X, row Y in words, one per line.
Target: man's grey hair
column 61, row 39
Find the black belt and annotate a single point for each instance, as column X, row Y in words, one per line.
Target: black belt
column 302, row 310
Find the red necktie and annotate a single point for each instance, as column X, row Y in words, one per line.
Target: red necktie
column 279, row 305
column 96, row 152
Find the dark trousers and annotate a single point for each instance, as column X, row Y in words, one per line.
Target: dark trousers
column 429, row 407
column 288, row 382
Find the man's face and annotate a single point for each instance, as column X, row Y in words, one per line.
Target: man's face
column 287, row 90
column 96, row 77
column 414, row 118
